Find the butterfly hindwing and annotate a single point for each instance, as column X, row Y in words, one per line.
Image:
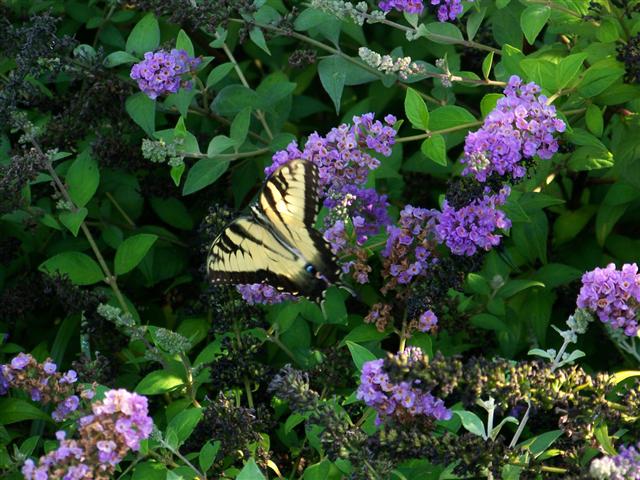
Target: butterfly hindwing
column 248, row 252
column 290, row 203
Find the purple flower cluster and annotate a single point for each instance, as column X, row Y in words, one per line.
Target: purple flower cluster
column 624, row 466
column 445, row 9
column 344, row 159
column 161, row 73
column 409, row 6
column 473, row 227
column 428, row 321
column 613, row 295
column 254, row 293
column 521, row 126
column 388, row 399
column 42, row 382
column 407, row 252
column 117, row 425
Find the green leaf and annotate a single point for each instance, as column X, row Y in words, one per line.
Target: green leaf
column 594, row 120
column 604, row 439
column 219, row 144
column 257, row 37
column 176, row 173
column 590, row 158
column 488, row 103
column 515, row 286
column 150, row 471
column 80, row 268
column 568, row 69
column 250, row 471
column 333, row 81
column 359, row 354
column 203, row 174
column 441, row 32
column 532, row 21
column 73, row 220
column 435, row 148
column 184, row 423
column 487, row 63
column 416, row 110
column 540, row 443
column 172, row 211
column 333, row 307
column 600, row 76
column 83, row 179
column 233, row 98
column 157, row 382
column 606, row 219
column 131, row 252
column 568, row 225
column 208, row 454
column 489, row 322
column 622, row 376
column 478, row 284
column 471, row 422
column 142, row 110
column 219, row 73
column 183, row 42
column 240, row 126
column 17, row 410
column 119, row 58
column 474, row 20
column 145, row 36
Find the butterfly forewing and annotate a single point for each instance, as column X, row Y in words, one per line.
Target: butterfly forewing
column 248, row 252
column 290, row 203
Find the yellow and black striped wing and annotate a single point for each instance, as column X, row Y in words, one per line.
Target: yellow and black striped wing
column 249, row 252
column 290, row 202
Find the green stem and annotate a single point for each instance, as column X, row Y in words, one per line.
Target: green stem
column 121, row 210
column 189, row 373
column 230, row 156
column 259, row 113
column 423, row 136
column 200, row 474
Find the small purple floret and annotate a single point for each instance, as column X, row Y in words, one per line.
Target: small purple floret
column 161, row 73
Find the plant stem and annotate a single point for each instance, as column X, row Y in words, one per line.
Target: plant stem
column 121, row 210
column 230, row 156
column 259, row 113
column 523, row 422
column 423, row 136
column 200, row 474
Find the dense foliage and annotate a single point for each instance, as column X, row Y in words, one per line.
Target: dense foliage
column 479, row 173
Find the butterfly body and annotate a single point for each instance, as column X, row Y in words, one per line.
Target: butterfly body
column 277, row 242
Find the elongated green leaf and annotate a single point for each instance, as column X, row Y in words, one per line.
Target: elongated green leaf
column 159, row 381
column 80, row 268
column 145, row 36
column 131, row 252
column 359, row 354
column 416, row 110
column 332, row 80
column 533, row 19
column 203, row 174
column 17, row 410
column 142, row 110
column 250, row 471
column 83, row 179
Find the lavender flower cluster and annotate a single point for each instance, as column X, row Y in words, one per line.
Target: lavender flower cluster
column 117, row 425
column 344, row 159
column 445, row 9
column 521, row 126
column 407, row 252
column 263, row 293
column 472, row 227
column 613, row 295
column 625, row 465
column 161, row 73
column 397, row 400
column 42, row 382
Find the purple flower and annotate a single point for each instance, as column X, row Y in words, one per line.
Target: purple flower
column 409, row 6
column 387, row 398
column 49, row 367
column 70, row 377
column 4, row 382
column 473, row 227
column 520, row 127
column 445, row 9
column 64, row 408
column 613, row 295
column 427, row 321
column 625, row 465
column 255, row 293
column 20, row 361
column 161, row 73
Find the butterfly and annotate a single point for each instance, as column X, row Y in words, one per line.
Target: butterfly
column 277, row 242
